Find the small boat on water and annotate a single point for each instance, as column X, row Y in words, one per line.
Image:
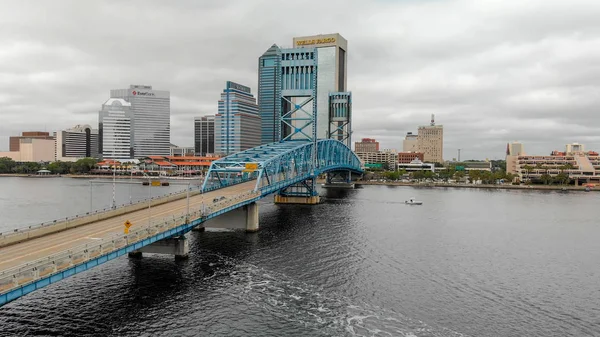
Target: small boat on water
column 412, row 201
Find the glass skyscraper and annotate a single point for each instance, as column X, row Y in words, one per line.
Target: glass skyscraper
column 237, row 124
column 151, row 124
column 331, row 78
column 269, row 88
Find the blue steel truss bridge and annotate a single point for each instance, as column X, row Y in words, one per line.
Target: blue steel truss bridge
column 39, row 256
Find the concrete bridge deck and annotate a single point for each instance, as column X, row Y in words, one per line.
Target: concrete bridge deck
column 37, row 248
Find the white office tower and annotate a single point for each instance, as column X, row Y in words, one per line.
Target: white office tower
column 151, row 123
column 115, row 129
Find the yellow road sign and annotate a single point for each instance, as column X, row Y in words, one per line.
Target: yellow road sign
column 127, row 224
column 252, row 166
column 126, row 230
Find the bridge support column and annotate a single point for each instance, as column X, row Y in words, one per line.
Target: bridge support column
column 177, row 246
column 245, row 217
column 252, row 218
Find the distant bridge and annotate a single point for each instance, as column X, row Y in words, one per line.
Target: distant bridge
column 33, row 258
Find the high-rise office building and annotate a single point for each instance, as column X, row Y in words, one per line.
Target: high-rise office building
column 409, row 144
column 430, row 141
column 204, row 135
column 269, row 89
column 331, row 73
column 115, row 119
column 14, row 141
column 151, row 124
column 80, row 141
column 333, row 103
column 237, row 124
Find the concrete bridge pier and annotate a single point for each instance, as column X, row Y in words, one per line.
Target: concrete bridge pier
column 177, row 246
column 303, row 193
column 245, row 217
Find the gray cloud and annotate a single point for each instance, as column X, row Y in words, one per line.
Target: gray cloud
column 491, row 71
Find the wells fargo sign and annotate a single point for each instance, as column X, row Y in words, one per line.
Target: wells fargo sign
column 315, row 41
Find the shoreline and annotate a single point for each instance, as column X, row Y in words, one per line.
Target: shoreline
column 89, row 176
column 500, row 187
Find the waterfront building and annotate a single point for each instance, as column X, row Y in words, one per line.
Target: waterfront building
column 577, row 165
column 387, row 158
column 77, row 142
column 366, row 145
column 151, row 122
column 204, row 135
column 115, row 121
column 416, row 165
column 32, row 150
column 407, row 157
column 269, row 94
column 14, row 141
column 409, row 144
column 237, row 124
column 176, row 165
column 430, row 141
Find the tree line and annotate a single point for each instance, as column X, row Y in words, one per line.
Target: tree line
column 81, row 166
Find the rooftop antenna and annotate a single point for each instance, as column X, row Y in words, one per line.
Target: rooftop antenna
column 432, row 120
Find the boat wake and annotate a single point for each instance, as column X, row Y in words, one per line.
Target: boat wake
column 312, row 308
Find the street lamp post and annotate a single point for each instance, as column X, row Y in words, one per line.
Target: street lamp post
column 149, row 199
column 188, row 203
column 114, row 203
column 91, row 198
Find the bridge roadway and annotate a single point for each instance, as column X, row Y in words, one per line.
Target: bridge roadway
column 31, row 250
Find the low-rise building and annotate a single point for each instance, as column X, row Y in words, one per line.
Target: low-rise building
column 32, row 150
column 573, row 164
column 389, row 158
column 416, row 165
column 407, row 157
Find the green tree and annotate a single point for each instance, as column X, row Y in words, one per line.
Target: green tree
column 83, row 166
column 7, row 165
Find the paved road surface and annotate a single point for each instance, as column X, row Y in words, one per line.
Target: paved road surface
column 41, row 247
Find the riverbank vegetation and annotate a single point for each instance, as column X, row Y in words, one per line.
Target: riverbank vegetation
column 81, row 166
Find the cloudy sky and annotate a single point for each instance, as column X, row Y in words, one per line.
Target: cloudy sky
column 491, row 71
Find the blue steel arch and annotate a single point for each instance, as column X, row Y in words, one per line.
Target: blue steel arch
column 278, row 165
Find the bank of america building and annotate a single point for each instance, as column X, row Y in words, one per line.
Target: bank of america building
column 237, row 123
column 333, row 100
column 151, row 122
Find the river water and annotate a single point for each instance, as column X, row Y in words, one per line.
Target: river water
column 468, row 262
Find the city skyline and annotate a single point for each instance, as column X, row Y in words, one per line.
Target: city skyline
column 517, row 79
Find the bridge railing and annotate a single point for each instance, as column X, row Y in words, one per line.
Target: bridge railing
column 30, row 272
column 79, row 217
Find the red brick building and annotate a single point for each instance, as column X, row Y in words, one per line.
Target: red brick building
column 407, row 157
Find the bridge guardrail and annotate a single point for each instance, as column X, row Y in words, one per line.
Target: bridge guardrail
column 80, row 219
column 27, row 273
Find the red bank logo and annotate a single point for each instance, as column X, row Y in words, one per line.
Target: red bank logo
column 142, row 93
